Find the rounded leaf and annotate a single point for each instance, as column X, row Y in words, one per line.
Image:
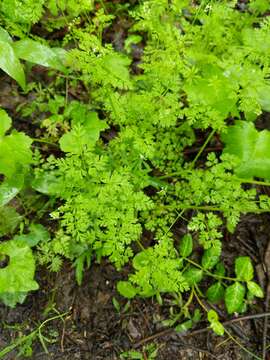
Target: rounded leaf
column 234, row 297
column 126, row 289
column 215, row 293
column 193, row 275
column 244, row 268
column 255, row 289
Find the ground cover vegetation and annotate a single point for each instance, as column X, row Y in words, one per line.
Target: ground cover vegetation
column 98, row 158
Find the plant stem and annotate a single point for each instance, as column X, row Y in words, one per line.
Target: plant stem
column 45, row 142
column 213, row 208
column 200, row 302
column 241, row 346
column 208, row 272
column 209, row 137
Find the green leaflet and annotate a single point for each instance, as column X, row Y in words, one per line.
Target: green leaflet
column 234, row 297
column 29, row 50
column 215, row 324
column 243, row 268
column 213, row 89
column 193, row 275
column 251, row 147
column 9, row 219
column 17, row 278
column 4, row 36
column 126, row 289
column 37, row 53
column 5, row 122
column 37, row 233
column 215, row 293
column 255, row 289
column 83, row 135
column 211, row 257
column 10, row 64
column 186, row 245
column 15, row 159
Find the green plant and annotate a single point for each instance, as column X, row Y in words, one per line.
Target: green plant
column 122, row 165
column 29, row 50
column 24, row 342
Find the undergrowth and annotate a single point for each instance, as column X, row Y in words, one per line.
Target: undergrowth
column 108, row 160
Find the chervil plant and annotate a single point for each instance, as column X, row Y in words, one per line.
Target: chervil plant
column 122, row 167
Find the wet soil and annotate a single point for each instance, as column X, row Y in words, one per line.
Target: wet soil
column 92, row 327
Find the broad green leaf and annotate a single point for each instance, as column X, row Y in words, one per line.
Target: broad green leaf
column 10, row 63
column 215, row 293
column 234, row 297
column 184, row 326
column 38, row 233
column 4, row 36
column 140, row 260
column 220, row 269
column 10, row 188
column 126, row 289
column 38, row 53
column 193, row 275
column 243, row 268
column 117, row 66
column 9, row 220
column 186, row 245
column 211, row 257
column 255, row 289
column 264, row 98
column 83, row 135
column 47, row 183
column 5, row 122
column 212, row 89
column 17, row 278
column 15, row 153
column 251, row 147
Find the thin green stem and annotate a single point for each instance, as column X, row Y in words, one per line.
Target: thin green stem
column 241, row 346
column 200, row 302
column 209, row 273
column 254, row 182
column 32, row 335
column 243, row 181
column 213, row 208
column 44, row 141
column 209, row 137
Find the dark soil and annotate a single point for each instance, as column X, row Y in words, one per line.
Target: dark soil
column 93, row 329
